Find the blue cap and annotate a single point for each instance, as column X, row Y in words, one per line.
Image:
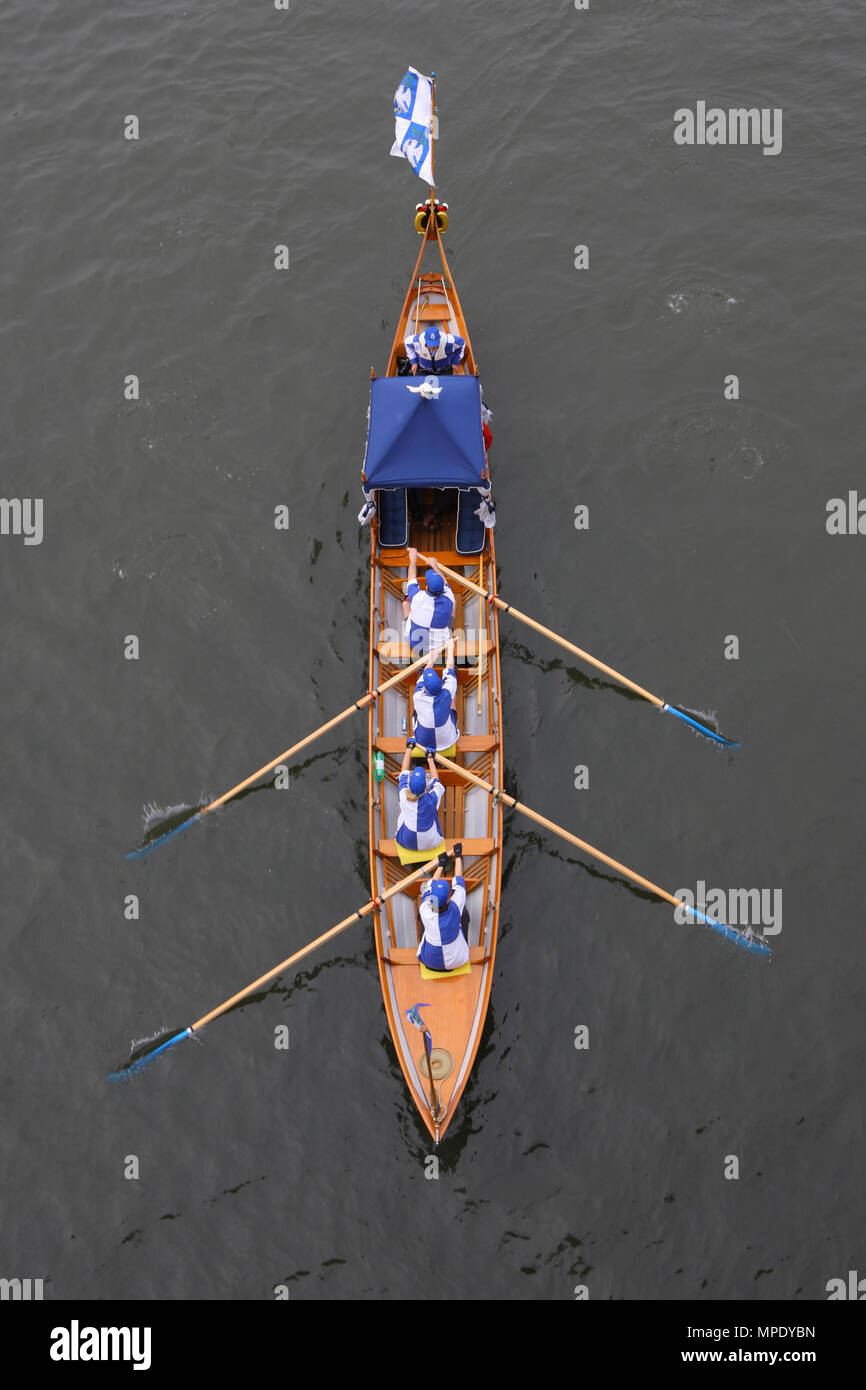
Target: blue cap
column 431, row 337
column 417, row 781
column 441, row 892
column 435, row 582
column 431, row 682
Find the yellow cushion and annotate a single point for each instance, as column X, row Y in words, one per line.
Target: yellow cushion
column 444, row 974
column 419, row 752
column 418, row 856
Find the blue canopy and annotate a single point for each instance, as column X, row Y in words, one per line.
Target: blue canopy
column 413, row 442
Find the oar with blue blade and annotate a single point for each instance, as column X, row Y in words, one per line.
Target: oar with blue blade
column 199, row 814
column 138, row 1063
column 701, row 728
column 584, row 656
column 747, row 940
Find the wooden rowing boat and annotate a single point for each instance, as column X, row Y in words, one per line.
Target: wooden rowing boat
column 456, row 1005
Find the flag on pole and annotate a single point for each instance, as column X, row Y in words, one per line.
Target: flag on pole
column 414, row 1016
column 413, row 121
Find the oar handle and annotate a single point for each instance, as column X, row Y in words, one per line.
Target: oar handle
column 546, row 632
column 372, row 906
column 311, row 738
column 596, row 853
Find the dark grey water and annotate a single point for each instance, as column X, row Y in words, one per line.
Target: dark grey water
column 707, row 519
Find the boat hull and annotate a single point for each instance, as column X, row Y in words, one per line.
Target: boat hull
column 455, row 1005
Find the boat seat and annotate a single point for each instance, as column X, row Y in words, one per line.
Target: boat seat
column 447, row 557
column 466, row 743
column 393, row 514
column 406, row 955
column 432, row 313
column 400, row 653
column 472, row 849
column 471, row 531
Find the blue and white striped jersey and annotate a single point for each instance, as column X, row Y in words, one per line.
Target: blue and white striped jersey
column 443, row 945
column 447, row 353
column 418, row 826
column 429, row 622
column 435, row 723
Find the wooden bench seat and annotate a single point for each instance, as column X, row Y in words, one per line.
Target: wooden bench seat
column 400, row 653
column 466, row 675
column 399, row 559
column 435, row 313
column 466, row 743
column 472, row 849
column 405, row 955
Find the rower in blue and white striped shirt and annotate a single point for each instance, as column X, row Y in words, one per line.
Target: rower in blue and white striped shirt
column 428, row 612
column 434, row 706
column 419, row 833
column 445, row 918
column 435, row 351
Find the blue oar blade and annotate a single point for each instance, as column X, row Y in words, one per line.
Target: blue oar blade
column 161, row 839
column 701, row 728
column 141, row 1062
column 747, row 941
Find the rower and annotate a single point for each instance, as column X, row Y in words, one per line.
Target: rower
column 435, row 351
column 434, row 707
column 445, row 918
column 419, row 833
column 428, row 613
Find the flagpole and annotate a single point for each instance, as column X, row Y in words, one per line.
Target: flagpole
column 432, row 141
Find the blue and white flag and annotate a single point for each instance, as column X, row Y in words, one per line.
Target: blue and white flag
column 413, row 120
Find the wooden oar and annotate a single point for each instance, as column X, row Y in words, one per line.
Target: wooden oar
column 481, row 614
column 282, row 757
column 373, row 905
column 584, row 656
column 746, row 940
